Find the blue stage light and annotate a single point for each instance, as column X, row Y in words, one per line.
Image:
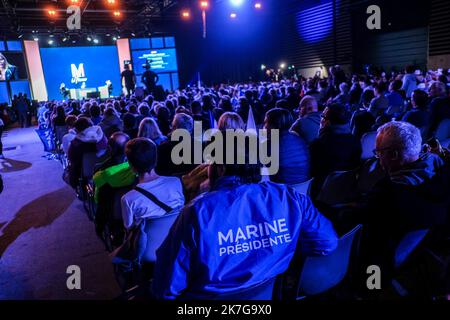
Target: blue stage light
column 237, row 3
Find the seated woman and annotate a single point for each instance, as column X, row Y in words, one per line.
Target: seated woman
column 148, row 128
column 293, row 154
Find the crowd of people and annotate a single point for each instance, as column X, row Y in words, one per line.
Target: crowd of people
column 325, row 126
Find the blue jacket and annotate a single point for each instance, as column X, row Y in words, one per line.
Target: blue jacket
column 238, row 236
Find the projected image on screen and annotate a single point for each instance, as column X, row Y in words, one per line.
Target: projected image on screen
column 12, row 66
column 81, row 70
column 161, row 60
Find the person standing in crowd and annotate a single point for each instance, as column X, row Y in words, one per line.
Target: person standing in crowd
column 308, row 123
column 215, row 247
column 142, row 154
column 149, row 79
column 22, row 109
column 128, row 78
column 409, row 81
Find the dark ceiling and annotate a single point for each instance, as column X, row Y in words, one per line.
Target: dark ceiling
column 21, row 18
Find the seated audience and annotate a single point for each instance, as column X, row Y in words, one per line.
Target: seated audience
column 293, row 151
column 379, row 104
column 89, row 139
column 308, row 124
column 129, row 125
column 336, row 149
column 413, row 196
column 111, row 122
column 70, row 135
column 219, row 245
column 439, row 106
column 149, row 129
column 419, row 115
column 136, row 205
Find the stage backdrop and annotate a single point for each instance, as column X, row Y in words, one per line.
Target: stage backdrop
column 78, row 67
column 161, row 53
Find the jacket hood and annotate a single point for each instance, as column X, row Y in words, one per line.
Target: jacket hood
column 91, row 134
column 419, row 171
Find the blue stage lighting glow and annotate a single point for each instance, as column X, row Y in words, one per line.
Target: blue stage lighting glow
column 237, row 3
column 316, row 23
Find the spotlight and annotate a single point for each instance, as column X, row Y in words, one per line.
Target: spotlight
column 89, row 38
column 51, row 36
column 50, row 41
column 111, row 2
column 258, row 5
column 282, row 65
column 20, row 36
column 185, row 14
column 204, row 5
column 233, row 15
column 115, row 38
column 117, row 13
column 51, row 12
column 64, row 39
column 74, row 41
column 35, row 38
column 263, row 67
column 237, row 3
column 96, row 41
column 133, row 34
column 74, row 1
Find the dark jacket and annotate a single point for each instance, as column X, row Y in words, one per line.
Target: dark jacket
column 336, row 149
column 414, row 198
column 294, row 159
column 308, row 126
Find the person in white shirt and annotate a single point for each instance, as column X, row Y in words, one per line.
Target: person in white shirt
column 142, row 154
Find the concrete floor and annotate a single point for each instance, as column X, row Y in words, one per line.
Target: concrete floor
column 44, row 229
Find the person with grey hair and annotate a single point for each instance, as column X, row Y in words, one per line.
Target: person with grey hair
column 343, row 97
column 308, row 124
column 439, row 106
column 412, row 196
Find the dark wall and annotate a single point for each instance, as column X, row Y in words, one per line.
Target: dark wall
column 233, row 49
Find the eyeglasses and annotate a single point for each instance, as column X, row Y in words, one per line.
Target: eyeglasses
column 377, row 152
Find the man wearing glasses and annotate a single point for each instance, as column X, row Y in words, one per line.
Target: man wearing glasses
column 414, row 195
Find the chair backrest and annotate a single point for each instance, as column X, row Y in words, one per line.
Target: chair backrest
column 60, row 131
column 407, row 245
column 321, row 273
column 304, row 187
column 155, row 232
column 89, row 161
column 443, row 130
column 339, row 187
column 368, row 144
column 116, row 208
